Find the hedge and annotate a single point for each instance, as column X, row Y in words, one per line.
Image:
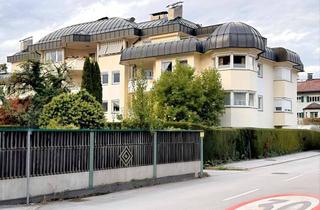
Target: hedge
column 228, row 144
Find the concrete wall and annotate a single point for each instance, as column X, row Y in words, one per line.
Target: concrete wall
column 43, row 185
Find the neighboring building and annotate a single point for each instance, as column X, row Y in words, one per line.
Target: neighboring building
column 260, row 82
column 308, row 99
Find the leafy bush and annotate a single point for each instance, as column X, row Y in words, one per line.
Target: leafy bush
column 13, row 111
column 79, row 110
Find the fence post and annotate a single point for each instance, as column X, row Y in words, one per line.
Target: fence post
column 201, row 153
column 28, row 166
column 91, row 150
column 155, row 151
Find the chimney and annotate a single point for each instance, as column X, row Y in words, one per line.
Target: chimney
column 158, row 15
column 310, row 76
column 25, row 43
column 175, row 10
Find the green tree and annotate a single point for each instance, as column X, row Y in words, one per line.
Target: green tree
column 97, row 86
column 142, row 109
column 178, row 97
column 182, row 96
column 91, row 79
column 79, row 110
column 40, row 82
column 87, row 79
column 212, row 91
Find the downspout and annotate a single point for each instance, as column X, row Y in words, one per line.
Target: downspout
column 260, row 54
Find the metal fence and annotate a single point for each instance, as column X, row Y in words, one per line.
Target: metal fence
column 69, row 151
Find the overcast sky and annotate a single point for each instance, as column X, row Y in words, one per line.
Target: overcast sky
column 293, row 24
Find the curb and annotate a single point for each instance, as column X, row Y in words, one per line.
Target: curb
column 286, row 161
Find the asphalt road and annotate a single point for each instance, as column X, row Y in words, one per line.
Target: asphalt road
column 217, row 192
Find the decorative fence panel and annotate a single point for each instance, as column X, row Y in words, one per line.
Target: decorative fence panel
column 178, row 146
column 68, row 151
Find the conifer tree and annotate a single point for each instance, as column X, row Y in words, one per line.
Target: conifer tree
column 96, row 83
column 91, row 79
column 87, row 75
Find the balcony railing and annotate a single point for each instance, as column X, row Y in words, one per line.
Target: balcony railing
column 75, row 63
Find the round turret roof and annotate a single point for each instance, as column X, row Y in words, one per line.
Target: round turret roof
column 235, row 35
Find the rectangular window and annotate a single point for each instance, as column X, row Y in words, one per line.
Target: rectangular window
column 133, row 72
column 115, row 105
column 300, row 99
column 166, row 66
column 115, row 77
column 183, row 62
column 260, row 70
column 224, row 61
column 240, row 99
column 260, row 103
column 300, row 115
column 239, row 61
column 105, row 106
column 282, row 105
column 251, row 99
column 314, row 114
column 283, row 74
column 148, row 74
column 104, row 78
column 54, row 56
column 227, row 98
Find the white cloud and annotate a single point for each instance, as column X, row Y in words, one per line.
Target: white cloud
column 285, row 37
column 311, row 69
column 102, row 9
column 317, row 51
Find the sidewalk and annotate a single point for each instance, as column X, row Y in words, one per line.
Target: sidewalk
column 251, row 164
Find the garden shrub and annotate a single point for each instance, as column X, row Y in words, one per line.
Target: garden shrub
column 79, row 110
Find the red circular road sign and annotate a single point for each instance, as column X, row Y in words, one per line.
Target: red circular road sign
column 281, row 202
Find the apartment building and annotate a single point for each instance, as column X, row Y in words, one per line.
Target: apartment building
column 308, row 99
column 260, row 82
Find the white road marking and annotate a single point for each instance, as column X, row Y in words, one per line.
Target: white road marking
column 292, row 178
column 239, row 195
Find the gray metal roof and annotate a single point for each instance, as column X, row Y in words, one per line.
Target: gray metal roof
column 281, row 54
column 165, row 21
column 162, row 49
column 227, row 35
column 90, row 28
column 269, row 54
column 237, row 35
column 111, row 24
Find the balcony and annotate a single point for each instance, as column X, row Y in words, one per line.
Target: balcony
column 75, row 64
column 131, row 85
